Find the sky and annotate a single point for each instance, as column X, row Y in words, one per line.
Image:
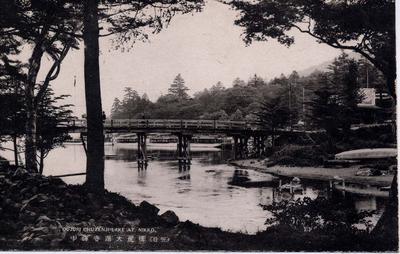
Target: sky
column 204, row 48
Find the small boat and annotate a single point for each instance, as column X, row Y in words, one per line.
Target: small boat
column 163, row 139
column 385, row 188
column 293, row 186
column 373, row 153
column 365, row 191
column 110, row 156
column 126, row 139
column 240, row 176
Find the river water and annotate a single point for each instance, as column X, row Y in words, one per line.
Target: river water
column 200, row 194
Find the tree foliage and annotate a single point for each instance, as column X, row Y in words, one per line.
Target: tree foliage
column 365, row 27
column 48, row 26
column 129, row 20
column 178, row 88
column 52, row 114
column 221, row 103
column 51, row 117
column 334, row 104
column 330, row 224
column 53, row 26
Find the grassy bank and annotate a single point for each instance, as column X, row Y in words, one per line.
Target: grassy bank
column 42, row 213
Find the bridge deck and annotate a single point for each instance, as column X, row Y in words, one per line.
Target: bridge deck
column 173, row 125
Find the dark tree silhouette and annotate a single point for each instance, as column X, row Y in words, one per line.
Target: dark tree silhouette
column 365, row 27
column 52, row 114
column 38, row 24
column 274, row 113
column 94, row 111
column 128, row 20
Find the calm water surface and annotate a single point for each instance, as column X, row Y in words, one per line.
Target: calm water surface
column 200, row 194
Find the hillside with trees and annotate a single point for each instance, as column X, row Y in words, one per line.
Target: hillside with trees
column 246, row 100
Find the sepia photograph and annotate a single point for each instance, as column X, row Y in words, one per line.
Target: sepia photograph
column 198, row 125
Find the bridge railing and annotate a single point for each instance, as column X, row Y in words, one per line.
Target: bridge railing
column 176, row 124
column 169, row 124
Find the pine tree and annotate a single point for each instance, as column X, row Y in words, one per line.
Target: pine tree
column 237, row 116
column 256, row 81
column 274, row 113
column 178, row 88
column 324, row 110
column 350, row 96
column 51, row 115
column 116, row 108
column 334, row 105
column 48, row 27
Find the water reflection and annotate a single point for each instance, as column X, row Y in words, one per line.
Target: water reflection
column 142, row 166
column 198, row 192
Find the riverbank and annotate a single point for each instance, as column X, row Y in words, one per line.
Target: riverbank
column 44, row 213
column 316, row 173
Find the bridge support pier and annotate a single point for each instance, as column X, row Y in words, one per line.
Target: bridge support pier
column 183, row 148
column 141, row 150
column 240, row 147
column 259, row 145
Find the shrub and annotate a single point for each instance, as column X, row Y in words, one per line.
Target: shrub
column 319, row 225
column 302, row 156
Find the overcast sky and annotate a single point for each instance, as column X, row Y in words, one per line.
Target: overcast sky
column 205, row 48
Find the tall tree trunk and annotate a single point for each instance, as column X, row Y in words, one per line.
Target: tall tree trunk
column 30, row 141
column 95, row 138
column 31, row 114
column 41, row 161
column 15, row 150
column 387, row 228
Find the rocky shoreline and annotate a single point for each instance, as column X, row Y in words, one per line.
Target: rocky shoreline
column 44, row 213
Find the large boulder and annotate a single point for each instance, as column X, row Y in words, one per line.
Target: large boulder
column 170, row 218
column 148, row 208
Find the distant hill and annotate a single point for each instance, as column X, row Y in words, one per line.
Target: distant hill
column 320, row 67
column 324, row 65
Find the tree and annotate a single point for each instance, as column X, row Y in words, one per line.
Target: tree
column 12, row 112
column 129, row 20
column 256, row 81
column 94, row 111
column 178, row 88
column 324, row 111
column 334, row 104
column 51, row 116
column 39, row 24
column 370, row 76
column 237, row 116
column 116, row 108
column 273, row 114
column 130, row 103
column 238, row 83
column 350, row 97
column 240, row 96
column 365, row 27
column 218, row 115
column 217, row 88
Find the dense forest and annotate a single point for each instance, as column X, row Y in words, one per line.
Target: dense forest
column 244, row 100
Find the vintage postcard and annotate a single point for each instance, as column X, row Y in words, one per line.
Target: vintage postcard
column 198, row 125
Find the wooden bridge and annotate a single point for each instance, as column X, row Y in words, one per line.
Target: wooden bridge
column 170, row 125
column 242, row 133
